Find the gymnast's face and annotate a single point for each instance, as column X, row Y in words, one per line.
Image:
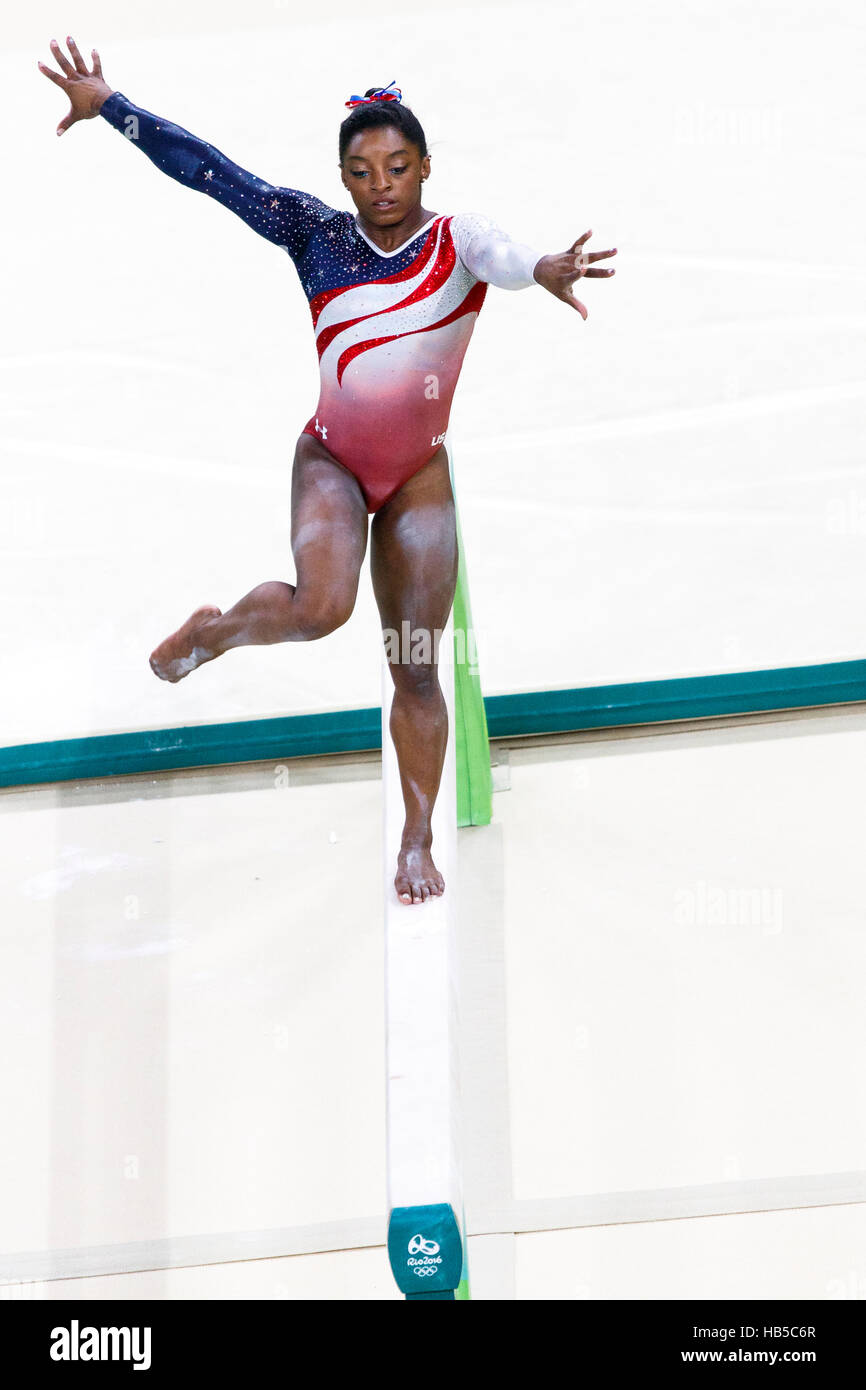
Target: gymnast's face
column 382, row 170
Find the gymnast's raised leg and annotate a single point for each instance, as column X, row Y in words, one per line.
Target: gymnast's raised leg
column 413, row 562
column 329, row 540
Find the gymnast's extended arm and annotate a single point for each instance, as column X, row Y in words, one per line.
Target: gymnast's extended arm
column 284, row 216
column 492, row 255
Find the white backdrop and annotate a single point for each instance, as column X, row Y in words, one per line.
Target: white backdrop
column 674, row 487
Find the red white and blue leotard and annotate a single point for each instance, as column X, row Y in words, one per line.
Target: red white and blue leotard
column 391, row 328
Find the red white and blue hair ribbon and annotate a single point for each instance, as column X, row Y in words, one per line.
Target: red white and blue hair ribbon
column 389, row 93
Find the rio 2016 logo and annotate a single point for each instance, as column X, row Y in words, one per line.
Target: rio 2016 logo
column 425, row 1267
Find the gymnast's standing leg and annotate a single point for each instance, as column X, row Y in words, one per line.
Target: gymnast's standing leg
column 413, row 562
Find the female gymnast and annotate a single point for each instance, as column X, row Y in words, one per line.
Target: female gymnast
column 394, row 293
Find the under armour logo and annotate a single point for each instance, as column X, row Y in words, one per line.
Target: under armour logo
column 321, row 429
column 419, row 1246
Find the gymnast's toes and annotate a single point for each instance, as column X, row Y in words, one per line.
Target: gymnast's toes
column 180, row 653
column 417, row 878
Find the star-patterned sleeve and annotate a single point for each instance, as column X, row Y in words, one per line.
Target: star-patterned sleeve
column 285, row 216
column 491, row 254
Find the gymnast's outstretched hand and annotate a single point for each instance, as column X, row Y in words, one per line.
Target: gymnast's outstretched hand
column 87, row 90
column 558, row 273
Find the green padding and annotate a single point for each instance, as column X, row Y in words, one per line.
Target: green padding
column 197, row 745
column 474, row 778
column 508, row 716
column 464, row 1292
column 686, row 697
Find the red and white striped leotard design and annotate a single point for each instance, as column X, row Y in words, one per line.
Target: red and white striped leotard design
column 390, row 352
column 391, row 327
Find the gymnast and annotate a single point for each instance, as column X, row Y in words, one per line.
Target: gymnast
column 394, row 293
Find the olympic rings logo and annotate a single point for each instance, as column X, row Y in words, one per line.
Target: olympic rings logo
column 425, row 1272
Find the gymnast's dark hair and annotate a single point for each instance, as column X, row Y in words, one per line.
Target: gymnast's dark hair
column 382, row 113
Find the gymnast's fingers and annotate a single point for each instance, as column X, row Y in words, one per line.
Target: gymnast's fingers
column 599, row 255
column 576, row 245
column 599, row 273
column 69, row 119
column 569, row 298
column 55, row 76
column 80, row 65
column 97, row 63
column 61, row 58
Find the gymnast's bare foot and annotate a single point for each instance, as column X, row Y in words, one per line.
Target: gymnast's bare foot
column 183, row 651
column 417, row 876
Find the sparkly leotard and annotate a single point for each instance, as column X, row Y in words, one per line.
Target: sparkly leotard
column 391, row 327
